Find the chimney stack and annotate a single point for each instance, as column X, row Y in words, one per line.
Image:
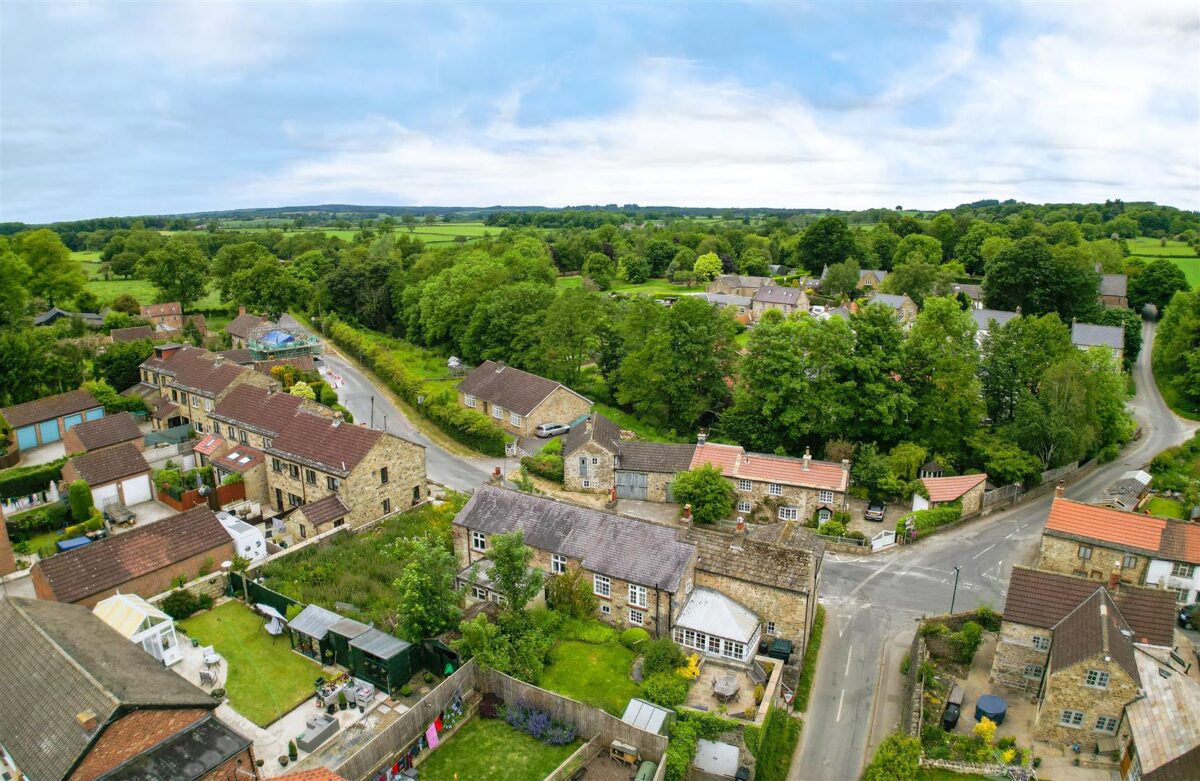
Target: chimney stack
column 87, row 721
column 1114, row 578
column 241, row 310
column 845, row 465
column 1060, row 489
column 686, row 517
column 701, row 438
column 496, row 474
column 337, row 419
column 218, row 360
column 807, row 459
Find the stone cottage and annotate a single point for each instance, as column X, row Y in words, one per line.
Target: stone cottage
column 596, row 459
column 966, row 489
column 518, row 401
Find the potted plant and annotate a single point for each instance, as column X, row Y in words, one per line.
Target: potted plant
column 342, row 700
column 405, row 690
column 283, row 760
column 292, row 753
column 328, row 656
column 428, row 677
column 331, row 708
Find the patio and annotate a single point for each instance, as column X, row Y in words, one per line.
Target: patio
column 145, row 514
column 704, row 693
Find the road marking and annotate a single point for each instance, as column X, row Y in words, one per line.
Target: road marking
column 1009, row 535
column 872, row 576
column 985, row 550
column 848, row 655
column 840, row 701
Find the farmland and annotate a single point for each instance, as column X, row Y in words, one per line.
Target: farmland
column 140, row 289
column 1177, row 252
column 651, row 287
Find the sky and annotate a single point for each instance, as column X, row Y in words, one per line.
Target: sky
column 160, row 108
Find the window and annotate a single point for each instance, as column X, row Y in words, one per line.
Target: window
column 587, row 483
column 208, row 405
column 387, row 506
column 744, row 486
column 1129, row 562
column 294, row 471
column 601, row 586
column 174, row 395
column 276, row 465
column 245, row 440
column 1181, row 570
column 340, row 522
column 199, row 427
column 636, row 617
column 825, row 497
column 733, row 650
column 478, row 541
column 714, row 645
column 1041, row 643
column 775, row 489
column 788, row 513
column 383, row 475
column 637, row 595
column 497, row 412
column 310, row 477
column 303, row 532
column 687, row 587
column 1107, row 724
column 1071, row 718
column 1085, row 552
column 595, row 461
column 558, row 564
column 770, row 627
column 332, row 483
column 1181, row 595
column 266, row 442
column 514, row 418
column 1033, row 672
column 605, row 609
column 294, row 501
column 824, row 514
column 469, row 400
column 232, row 431
column 743, row 506
column 479, row 592
column 1096, row 679
column 195, row 400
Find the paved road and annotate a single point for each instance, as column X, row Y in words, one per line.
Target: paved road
column 872, row 602
column 463, row 474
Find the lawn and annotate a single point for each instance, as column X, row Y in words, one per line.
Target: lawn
column 651, row 287
column 1166, row 508
column 1177, row 252
column 489, row 749
column 264, row 678
column 597, row 674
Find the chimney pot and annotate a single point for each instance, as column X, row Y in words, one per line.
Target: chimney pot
column 241, row 310
column 496, row 473
column 686, row 518
column 741, row 523
column 845, row 465
column 1060, row 489
column 1114, row 578
column 807, row 459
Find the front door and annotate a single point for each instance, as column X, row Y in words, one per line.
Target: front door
column 279, row 500
column 583, row 467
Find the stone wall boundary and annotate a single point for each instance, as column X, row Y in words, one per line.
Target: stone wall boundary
column 967, row 768
column 915, row 687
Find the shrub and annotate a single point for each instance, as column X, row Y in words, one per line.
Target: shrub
column 759, row 692
column 854, row 535
column 46, row 550
column 548, row 467
column 832, row 529
column 897, row 759
column 808, row 667
column 707, row 491
column 553, row 447
column 924, row 520
column 1108, row 453
column 586, row 631
column 688, row 729
column 987, row 618
column 491, row 706
column 691, row 670
column 26, row 480
column 48, row 517
column 665, row 689
column 540, row 724
column 966, row 641
column 405, row 690
column 985, row 730
column 934, row 629
column 776, row 744
column 292, row 753
column 634, row 635
column 182, row 603
column 661, row 656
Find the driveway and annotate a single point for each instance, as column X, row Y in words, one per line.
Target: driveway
column 871, row 599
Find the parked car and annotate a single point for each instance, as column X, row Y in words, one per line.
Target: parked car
column 1189, row 616
column 875, row 511
column 552, row 429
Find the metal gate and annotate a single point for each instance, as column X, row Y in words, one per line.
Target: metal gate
column 631, row 485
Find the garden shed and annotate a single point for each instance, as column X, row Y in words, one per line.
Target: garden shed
column 339, row 637
column 384, row 660
column 310, row 631
column 648, row 716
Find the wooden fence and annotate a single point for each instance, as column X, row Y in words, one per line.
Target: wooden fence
column 586, row 753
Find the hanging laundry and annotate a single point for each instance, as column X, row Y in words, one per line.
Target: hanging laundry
column 432, row 736
column 438, row 723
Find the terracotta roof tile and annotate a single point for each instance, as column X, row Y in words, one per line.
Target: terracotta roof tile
column 1101, row 524
column 734, row 462
column 948, row 489
column 316, row 774
column 134, row 334
column 49, row 408
column 160, row 310
column 1181, row 542
column 131, row 735
column 109, row 430
column 101, row 467
column 510, row 388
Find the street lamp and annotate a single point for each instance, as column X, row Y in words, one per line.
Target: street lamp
column 957, row 569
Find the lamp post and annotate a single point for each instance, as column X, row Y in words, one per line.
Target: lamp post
column 957, row 569
column 372, row 411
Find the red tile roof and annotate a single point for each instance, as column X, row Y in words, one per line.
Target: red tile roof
column 109, row 430
column 330, row 445
column 209, row 445
column 735, row 462
column 1101, row 524
column 316, row 774
column 948, row 489
column 160, row 310
column 240, row 459
column 105, row 466
column 1181, row 542
column 257, row 409
column 49, row 408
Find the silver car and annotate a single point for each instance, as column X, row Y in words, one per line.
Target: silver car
column 552, row 429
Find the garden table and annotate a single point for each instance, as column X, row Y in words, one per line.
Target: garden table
column 726, row 687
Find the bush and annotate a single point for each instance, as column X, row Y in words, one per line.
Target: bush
column 808, row 667
column 776, row 744
column 934, row 629
column 707, row 491
column 553, row 447
column 897, row 759
column 966, row 641
column 26, row 480
column 491, row 706
column 586, row 631
column 924, row 520
column 689, row 728
column 1108, row 453
column 48, row 517
column 547, row 467
column 855, row 535
column 661, row 656
column 182, row 603
column 405, row 690
column 987, row 618
column 540, row 724
column 666, row 689
column 634, row 635
column 832, row 529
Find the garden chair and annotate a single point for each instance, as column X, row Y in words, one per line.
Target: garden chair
column 211, row 657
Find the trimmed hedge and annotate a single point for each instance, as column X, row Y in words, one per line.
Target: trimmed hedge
column 808, row 668
column 548, row 467
column 26, row 480
column 46, row 518
column 464, row 425
column 687, row 731
column 926, row 520
column 774, row 746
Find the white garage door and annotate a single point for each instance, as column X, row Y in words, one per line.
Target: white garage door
column 136, row 490
column 105, row 494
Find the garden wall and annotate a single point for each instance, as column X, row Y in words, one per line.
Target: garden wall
column 915, row 687
column 213, row 584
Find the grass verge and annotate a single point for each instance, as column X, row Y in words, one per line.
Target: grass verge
column 808, row 669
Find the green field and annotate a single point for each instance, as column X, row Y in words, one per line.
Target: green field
column 140, row 289
column 651, row 287
column 439, row 233
column 1176, row 251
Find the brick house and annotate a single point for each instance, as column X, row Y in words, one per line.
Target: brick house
column 1114, row 291
column 518, row 401
column 240, row 328
column 788, row 300
column 596, row 459
column 169, row 315
column 142, row 561
column 103, row 709
column 967, row 489
column 777, row 488
column 115, row 474
column 737, row 285
column 103, row 433
column 47, row 420
column 375, row 473
column 904, row 307
column 191, row 381
column 1085, row 336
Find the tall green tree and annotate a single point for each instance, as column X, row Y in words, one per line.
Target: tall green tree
column 569, row 336
column 1014, row 357
column 1031, row 275
column 599, row 268
column 428, row 595
column 840, row 278
column 942, row 370
column 270, row 287
column 968, row 250
column 232, row 258
column 1157, row 283
column 14, row 293
column 119, row 365
column 505, row 325
column 826, row 242
column 178, row 270
column 1177, row 349
column 883, row 401
column 54, row 275
column 918, row 246
column 707, row 491
column 513, row 575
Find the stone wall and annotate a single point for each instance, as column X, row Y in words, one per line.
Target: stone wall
column 1058, row 554
column 561, row 406
column 255, row 482
column 788, row 609
column 657, row 484
column 212, row 584
column 972, row 501
column 1015, row 650
column 1065, row 689
column 600, row 475
column 914, row 687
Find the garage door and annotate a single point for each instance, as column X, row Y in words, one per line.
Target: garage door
column 105, row 494
column 49, row 429
column 136, row 490
column 27, row 437
column 70, row 421
column 631, row 485
column 95, row 414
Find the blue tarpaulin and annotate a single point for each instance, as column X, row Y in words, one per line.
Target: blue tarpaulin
column 71, row 544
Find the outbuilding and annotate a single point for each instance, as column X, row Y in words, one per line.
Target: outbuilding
column 115, row 474
column 142, row 623
column 310, row 631
column 44, row 421
column 383, row 659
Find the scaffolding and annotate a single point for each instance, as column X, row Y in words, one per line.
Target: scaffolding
column 273, row 342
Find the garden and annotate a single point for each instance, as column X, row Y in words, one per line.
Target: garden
column 1176, row 482
column 264, row 679
column 509, row 743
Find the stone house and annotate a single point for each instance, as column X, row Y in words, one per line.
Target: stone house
column 1114, row 291
column 47, row 420
column 776, row 488
column 142, row 561
column 375, row 473
column 640, row 573
column 743, row 306
column 869, row 279
column 104, row 707
column 518, row 401
column 974, row 293
column 987, row 319
column 597, row 459
column 115, row 474
column 788, row 300
column 1111, row 337
column 251, row 415
column 169, row 315
column 318, row 517
column 737, row 285
column 966, row 489
column 247, row 463
column 103, row 433
column 191, row 381
column 1160, row 734
column 904, row 307
column 240, row 328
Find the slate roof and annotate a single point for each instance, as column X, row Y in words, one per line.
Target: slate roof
column 609, row 544
column 878, row 274
column 1166, row 722
column 329, row 445
column 188, row 754
column 257, row 410
column 1042, row 599
column 242, row 357
column 726, row 299
column 948, row 489
column 512, row 389
column 325, row 510
column 79, row 664
column 133, row 334
column 1088, row 335
column 889, row 299
column 1094, row 628
column 49, row 408
column 91, row 319
column 1114, row 285
column 164, row 409
column 142, row 390
column 735, row 462
column 1127, row 491
column 595, row 428
column 304, row 363
column 742, row 280
column 109, row 430
column 114, row 560
column 984, row 317
column 782, row 557
column 974, row 292
column 101, row 467
column 655, row 457
column 772, row 294
column 242, row 325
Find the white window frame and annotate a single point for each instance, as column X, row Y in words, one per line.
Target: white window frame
column 1182, row 570
column 1103, row 721
column 637, row 617
column 825, row 497
column 605, row 609
column 558, row 564
column 587, row 483
column 1033, row 672
column 469, row 400
column 478, row 541
column 1096, row 679
column 1071, row 718
column 789, row 513
column 775, row 489
column 638, row 596
column 497, row 412
column 745, row 486
column 602, row 586
column 824, row 514
column 687, row 587
column 1085, row 552
column 208, row 405
column 1181, row 594
column 595, row 461
column 771, row 628
column 514, row 418
column 744, row 506
column 199, row 427
column 479, row 592
column 1041, row 643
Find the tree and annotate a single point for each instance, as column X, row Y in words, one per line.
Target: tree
column 906, row 458
column 827, row 242
column 1156, row 284
column 506, row 325
column 707, row 491
column 1176, row 348
column 1003, row 460
column 269, row 287
column 1131, row 322
column 569, row 334
column 1014, row 357
column 428, row 595
column 571, row 594
column 708, row 266
column 54, row 275
column 636, row 268
column 659, row 253
column 232, row 258
column 882, row 400
column 513, row 575
column 1031, row 275
column 599, row 268
column 119, row 365
column 968, row 250
column 925, row 248
column 511, row 648
column 430, row 219
column 178, row 270
column 81, row 501
column 127, row 304
column 943, row 374
column 944, row 230
column 917, row 278
column 840, row 278
column 302, row 389
column 14, row 294
column 754, row 262
column 898, row 758
column 870, row 469
column 124, row 264
column 410, row 222
column 191, row 332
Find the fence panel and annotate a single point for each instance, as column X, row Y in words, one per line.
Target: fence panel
column 260, row 593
